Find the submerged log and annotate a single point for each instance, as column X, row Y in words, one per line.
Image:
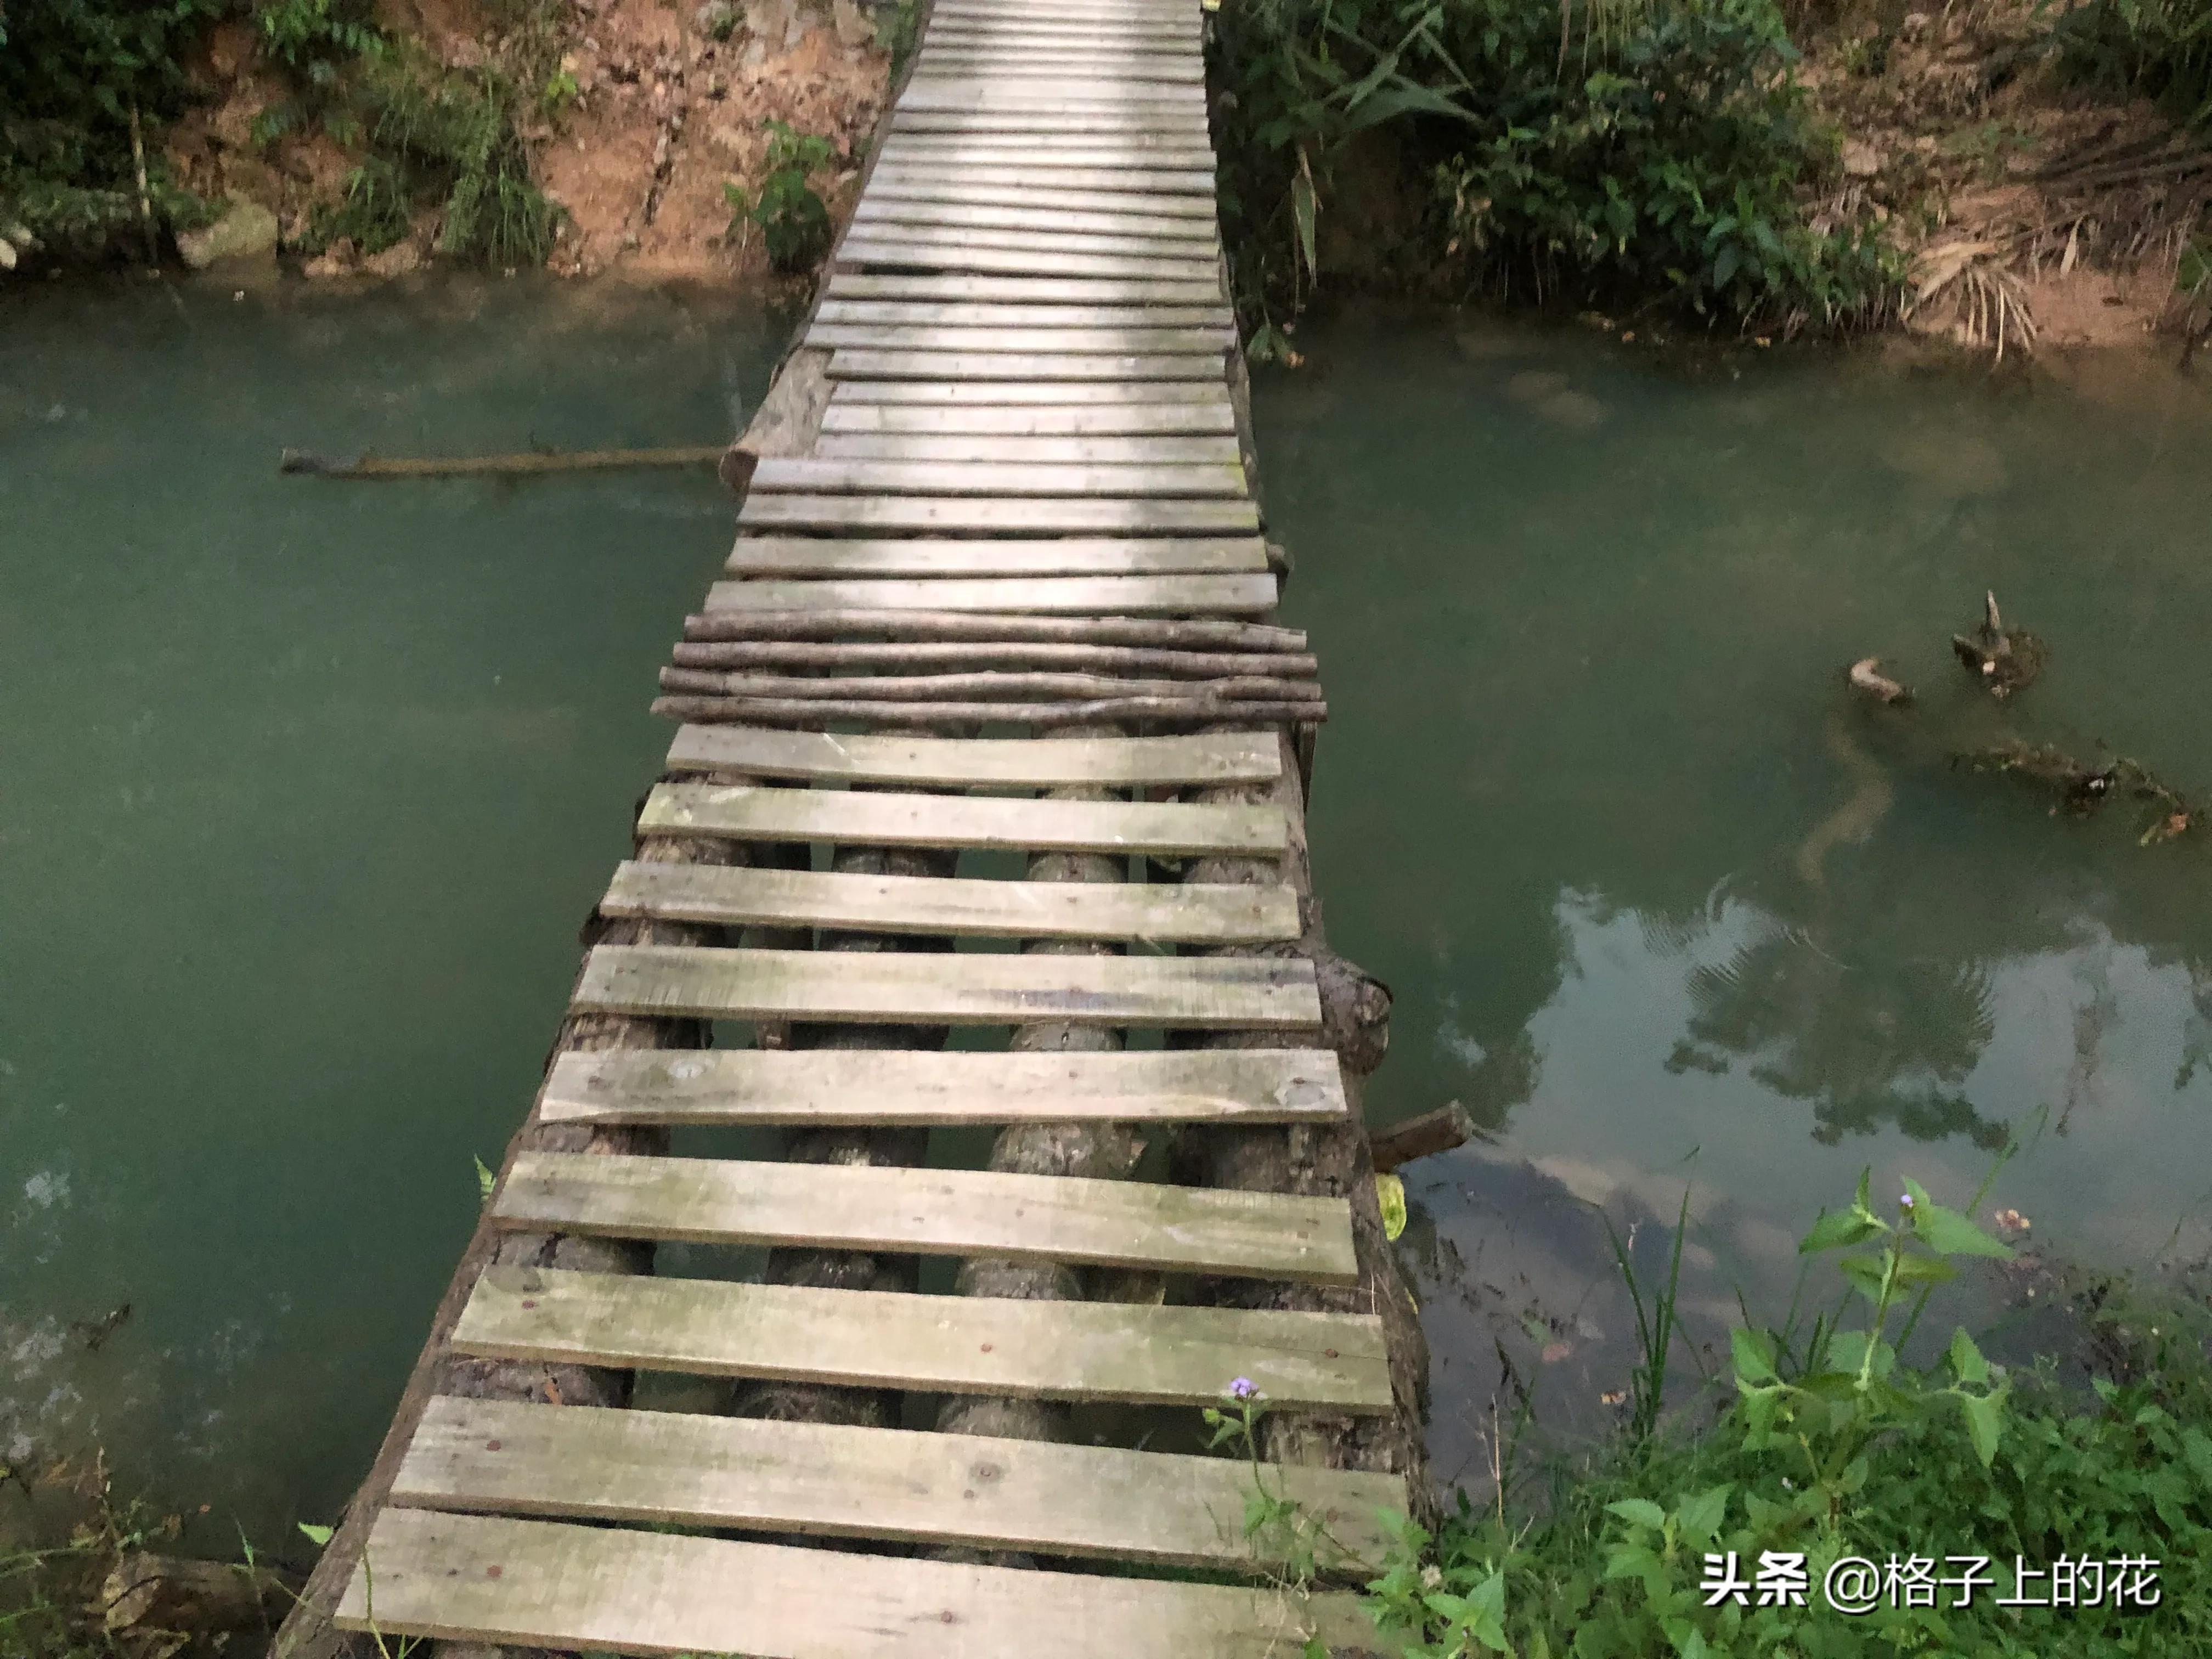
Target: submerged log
column 144, row 1592
column 1421, row 1137
column 366, row 468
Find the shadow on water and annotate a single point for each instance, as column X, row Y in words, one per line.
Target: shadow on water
column 1665, row 906
column 307, row 787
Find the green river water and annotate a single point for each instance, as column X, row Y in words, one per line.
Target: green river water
column 304, row 787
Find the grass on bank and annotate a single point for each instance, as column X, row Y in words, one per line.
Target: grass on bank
column 1834, row 1446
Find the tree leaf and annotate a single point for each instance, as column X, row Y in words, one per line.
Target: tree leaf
column 1838, row 1229
column 1984, row 1423
column 315, row 1535
column 1949, row 1233
column 1966, row 1362
column 1754, row 1356
column 1641, row 1511
column 1701, row 1516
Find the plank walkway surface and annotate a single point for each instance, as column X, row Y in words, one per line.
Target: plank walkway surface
column 1020, row 502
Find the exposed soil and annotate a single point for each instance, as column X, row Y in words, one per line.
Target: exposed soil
column 664, row 116
column 2035, row 212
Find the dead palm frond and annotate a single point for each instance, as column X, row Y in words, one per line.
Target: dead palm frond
column 1988, row 303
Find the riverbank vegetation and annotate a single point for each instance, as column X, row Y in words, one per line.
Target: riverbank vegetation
column 1767, row 165
column 1838, row 1439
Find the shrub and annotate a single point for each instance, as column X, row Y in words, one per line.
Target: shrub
column 794, row 220
column 1629, row 150
column 2159, row 49
column 1834, row 1447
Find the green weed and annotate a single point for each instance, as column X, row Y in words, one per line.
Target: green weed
column 2159, row 49
column 1834, row 1449
column 794, row 220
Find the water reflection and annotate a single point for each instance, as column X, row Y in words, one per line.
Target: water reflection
column 1665, row 906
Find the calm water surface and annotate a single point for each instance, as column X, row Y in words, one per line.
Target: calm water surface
column 1663, row 905
column 307, row 785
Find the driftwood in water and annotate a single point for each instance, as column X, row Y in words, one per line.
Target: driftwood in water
column 927, row 625
column 1865, row 675
column 367, row 468
column 790, row 711
column 982, row 688
column 1421, row 1137
column 2081, row 787
column 958, row 656
column 2004, row 659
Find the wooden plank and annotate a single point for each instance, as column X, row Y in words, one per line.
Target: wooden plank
column 1112, row 228
column 1055, row 390
column 1107, row 165
column 955, row 1213
column 1066, row 555
column 914, row 250
column 1212, row 757
column 1182, row 133
column 1007, row 314
column 994, row 337
column 1147, row 100
column 1126, row 73
column 1093, row 419
column 1181, row 450
column 1027, row 290
column 829, row 1087
column 1184, row 240
column 844, row 1480
column 743, row 812
column 1039, row 596
column 1022, row 516
column 1156, row 1355
column 864, row 363
column 495, row 1581
column 1140, row 911
column 1188, row 194
column 941, row 185
column 782, row 475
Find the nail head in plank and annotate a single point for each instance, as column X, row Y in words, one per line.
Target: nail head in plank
column 744, row 812
column 501, row 1581
column 777, row 475
column 846, row 1481
column 1141, row 1355
column 740, row 896
column 955, row 1213
column 1036, row 596
column 1071, row 555
column 829, row 1087
column 1214, row 757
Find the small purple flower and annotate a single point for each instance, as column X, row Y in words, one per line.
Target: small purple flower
column 1243, row 1389
column 1905, row 1202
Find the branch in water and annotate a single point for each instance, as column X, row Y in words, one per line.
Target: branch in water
column 1864, row 675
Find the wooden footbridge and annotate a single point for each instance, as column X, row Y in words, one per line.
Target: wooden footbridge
column 994, row 604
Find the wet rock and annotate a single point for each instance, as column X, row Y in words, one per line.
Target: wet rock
column 395, row 261
column 338, row 260
column 247, row 231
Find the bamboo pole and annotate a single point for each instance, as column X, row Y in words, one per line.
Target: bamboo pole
column 990, row 687
column 376, row 469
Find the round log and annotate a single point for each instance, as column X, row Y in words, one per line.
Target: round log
column 984, row 625
column 770, row 711
column 848, row 656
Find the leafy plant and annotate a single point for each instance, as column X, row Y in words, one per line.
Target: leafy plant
column 794, row 220
column 1835, row 1448
column 1631, row 150
column 372, row 212
column 315, row 39
column 2159, row 49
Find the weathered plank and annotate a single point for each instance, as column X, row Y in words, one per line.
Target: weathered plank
column 914, row 249
column 911, row 181
column 502, row 1582
column 1182, row 241
column 739, row 896
column 1018, row 66
column 810, row 475
column 861, row 363
column 1181, row 450
column 1007, row 314
column 767, row 1087
column 1102, row 419
column 1056, row 390
column 1106, row 339
column 1133, row 223
column 1069, row 555
column 742, row 812
column 1110, row 596
column 842, row 1480
column 1181, row 133
column 1036, row 515
column 1026, row 290
column 1107, row 165
column 955, row 1213
column 1211, row 757
column 912, row 175
column 1166, row 1356
column 1160, row 106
